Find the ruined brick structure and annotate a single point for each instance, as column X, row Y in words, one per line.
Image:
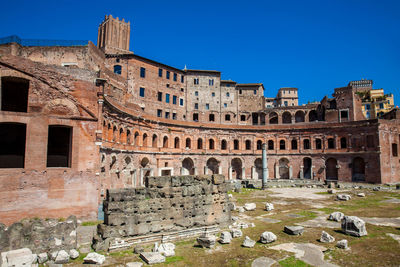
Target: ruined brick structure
column 77, row 120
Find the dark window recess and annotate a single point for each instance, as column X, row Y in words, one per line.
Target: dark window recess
column 306, row 144
column 174, row 99
column 14, row 94
column 294, row 144
column 242, row 117
column 236, row 144
column 227, row 117
column 344, row 114
column 182, row 79
column 159, row 72
column 12, row 144
column 212, row 117
column 174, row 116
column 318, row 144
column 223, row 144
column 159, row 113
column 394, row 150
column 168, row 74
column 142, row 72
column 259, row 145
column 248, row 144
column 270, row 145
column 59, row 146
column 195, row 117
column 159, row 96
column 175, row 77
column 117, row 69
column 331, row 143
column 282, row 145
column 141, row 93
column 343, row 142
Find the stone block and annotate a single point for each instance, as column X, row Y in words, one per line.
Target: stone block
column 352, row 225
column 294, row 230
column 152, row 257
column 326, row 238
column 248, row 242
column 94, row 258
column 225, row 238
column 218, row 179
column 18, row 257
column 343, row 197
column 267, row 237
column 206, row 240
column 62, row 257
column 269, row 206
column 343, row 244
column 250, row 206
column 336, row 216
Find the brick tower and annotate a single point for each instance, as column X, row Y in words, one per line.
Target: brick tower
column 113, row 36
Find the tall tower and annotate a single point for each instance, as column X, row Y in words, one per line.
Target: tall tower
column 113, row 36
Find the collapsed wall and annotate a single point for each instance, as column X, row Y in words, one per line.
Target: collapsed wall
column 165, row 204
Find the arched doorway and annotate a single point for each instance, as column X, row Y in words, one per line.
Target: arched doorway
column 286, row 117
column 284, row 168
column 358, row 170
column 236, row 165
column 187, row 166
column 259, row 169
column 307, row 162
column 213, row 165
column 331, row 170
column 299, row 116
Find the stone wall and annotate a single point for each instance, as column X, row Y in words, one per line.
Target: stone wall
column 167, row 203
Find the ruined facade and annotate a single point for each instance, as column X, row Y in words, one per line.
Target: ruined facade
column 77, row 120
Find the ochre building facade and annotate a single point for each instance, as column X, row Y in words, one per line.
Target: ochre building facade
column 77, row 120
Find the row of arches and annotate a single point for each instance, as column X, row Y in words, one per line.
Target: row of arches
column 286, row 117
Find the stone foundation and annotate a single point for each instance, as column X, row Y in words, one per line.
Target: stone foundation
column 166, row 204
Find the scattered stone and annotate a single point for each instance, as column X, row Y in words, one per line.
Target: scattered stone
column 331, row 191
column 248, row 242
column 207, row 240
column 352, row 225
column 235, row 218
column 252, row 225
column 263, row 262
column 18, row 257
column 361, row 194
column 232, row 206
column 134, row 264
column 242, row 225
column 94, row 258
column 394, row 236
column 51, row 264
column 236, row 233
column 343, row 197
column 269, row 206
column 225, row 238
column 152, row 257
column 326, row 238
column 166, row 249
column 34, row 258
column 336, row 216
column 343, row 244
column 42, row 258
column 377, row 188
column 53, row 255
column 250, row 206
column 138, row 249
column 230, row 195
column 73, row 254
column 267, row 237
column 294, row 230
column 241, row 209
column 62, row 257
column 331, row 185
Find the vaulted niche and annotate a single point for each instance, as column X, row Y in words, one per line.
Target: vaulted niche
column 12, row 145
column 59, row 146
column 14, row 94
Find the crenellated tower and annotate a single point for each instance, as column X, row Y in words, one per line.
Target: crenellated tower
column 114, row 35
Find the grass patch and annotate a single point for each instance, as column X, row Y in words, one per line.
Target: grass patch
column 308, row 214
column 323, row 193
column 91, row 223
column 173, row 259
column 293, row 262
column 122, row 253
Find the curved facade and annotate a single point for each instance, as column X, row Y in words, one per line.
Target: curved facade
column 93, row 118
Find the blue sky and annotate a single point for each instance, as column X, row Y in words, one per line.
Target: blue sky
column 313, row 45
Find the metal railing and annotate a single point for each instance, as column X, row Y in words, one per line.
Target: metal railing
column 41, row 42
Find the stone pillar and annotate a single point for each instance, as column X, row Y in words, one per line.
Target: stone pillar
column 219, row 170
column 230, row 173
column 253, row 172
column 265, row 165
column 312, row 172
column 196, row 172
column 290, row 172
column 205, row 170
column 243, row 173
column 301, row 172
column 277, row 171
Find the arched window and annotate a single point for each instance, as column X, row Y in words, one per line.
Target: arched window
column 343, row 142
column 248, row 144
column 259, row 145
column 165, row 142
column 286, row 117
column 199, row 143
column 282, row 145
column 145, row 140
column 273, row 118
column 176, row 142
column 294, row 144
column 236, row 144
column 154, row 143
column 312, row 116
column 331, row 143
column 318, row 143
column 121, row 135
column 306, row 144
column 128, row 137
column 270, row 145
column 114, row 138
column 117, row 69
column 136, row 139
column 211, row 144
column 299, row 116
column 188, row 143
column 223, row 144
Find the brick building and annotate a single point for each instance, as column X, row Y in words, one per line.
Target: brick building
column 78, row 119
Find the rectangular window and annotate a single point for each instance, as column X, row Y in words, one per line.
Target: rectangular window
column 207, row 106
column 211, row 82
column 182, row 79
column 159, row 96
column 196, row 81
column 141, row 92
column 174, row 99
column 174, row 116
column 381, row 106
column 227, row 117
column 394, row 150
column 142, row 72
column 167, row 75
column 367, row 106
column 180, row 101
column 195, row 117
column 167, row 98
column 159, row 113
column 12, row 145
column 59, row 145
column 175, row 77
column 255, row 92
column 211, row 117
column 196, row 105
column 240, row 92
column 212, row 94
column 159, row 72
column 225, row 105
column 14, row 94
column 227, row 94
column 196, row 93
column 167, row 115
column 344, row 114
